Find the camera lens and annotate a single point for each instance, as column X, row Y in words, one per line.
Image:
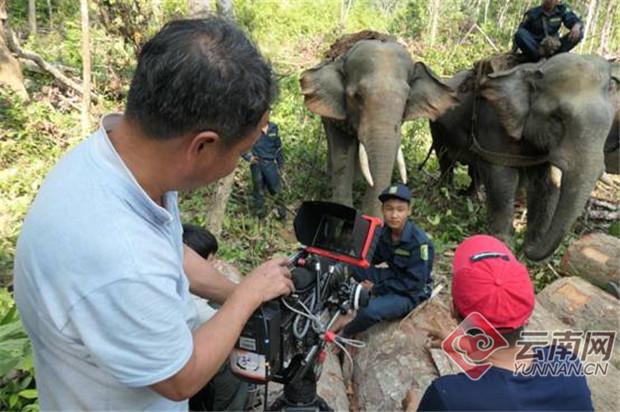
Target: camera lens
column 360, row 296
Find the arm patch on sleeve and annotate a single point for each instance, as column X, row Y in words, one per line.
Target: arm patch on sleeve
column 424, row 251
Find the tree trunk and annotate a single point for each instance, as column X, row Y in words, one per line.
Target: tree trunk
column 595, row 258
column 434, row 4
column 10, row 70
column 586, row 29
column 49, row 15
column 225, row 9
column 157, row 12
column 502, row 15
column 486, row 10
column 217, row 201
column 606, row 31
column 594, row 26
column 199, row 8
column 216, row 204
column 583, row 307
column 32, row 17
column 85, row 68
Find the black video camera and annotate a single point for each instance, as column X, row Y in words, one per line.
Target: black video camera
column 286, row 337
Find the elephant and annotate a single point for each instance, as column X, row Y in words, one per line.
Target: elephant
column 612, row 145
column 542, row 124
column 363, row 96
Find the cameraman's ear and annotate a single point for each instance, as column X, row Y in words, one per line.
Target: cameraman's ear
column 201, row 143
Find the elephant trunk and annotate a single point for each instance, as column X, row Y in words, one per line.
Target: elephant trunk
column 576, row 183
column 381, row 152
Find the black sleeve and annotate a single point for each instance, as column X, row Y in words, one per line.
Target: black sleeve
column 526, row 21
column 569, row 18
column 431, row 401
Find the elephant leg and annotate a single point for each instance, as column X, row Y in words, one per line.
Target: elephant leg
column 342, row 157
column 474, row 185
column 542, row 199
column 501, row 185
column 446, row 165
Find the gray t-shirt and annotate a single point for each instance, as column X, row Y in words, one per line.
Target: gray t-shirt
column 100, row 286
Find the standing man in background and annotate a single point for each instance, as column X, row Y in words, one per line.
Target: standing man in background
column 266, row 160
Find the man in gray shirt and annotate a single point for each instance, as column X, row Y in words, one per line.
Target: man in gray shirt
column 102, row 278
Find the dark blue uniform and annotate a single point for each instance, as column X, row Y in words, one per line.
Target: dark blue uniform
column 403, row 284
column 266, row 170
column 537, row 25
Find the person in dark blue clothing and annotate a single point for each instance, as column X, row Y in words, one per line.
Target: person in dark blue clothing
column 401, row 276
column 266, row 159
column 488, row 281
column 537, row 35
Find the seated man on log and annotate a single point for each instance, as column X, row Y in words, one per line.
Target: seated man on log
column 401, row 278
column 537, row 36
column 494, row 297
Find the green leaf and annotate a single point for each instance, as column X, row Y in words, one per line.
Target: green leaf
column 29, row 394
column 13, row 399
column 12, row 330
column 10, row 316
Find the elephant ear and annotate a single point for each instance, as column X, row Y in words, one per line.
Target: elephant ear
column 509, row 93
column 323, row 90
column 428, row 96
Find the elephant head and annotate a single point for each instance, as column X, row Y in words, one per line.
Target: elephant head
column 364, row 96
column 560, row 107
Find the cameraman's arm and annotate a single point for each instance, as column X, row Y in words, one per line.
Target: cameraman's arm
column 204, row 279
column 213, row 341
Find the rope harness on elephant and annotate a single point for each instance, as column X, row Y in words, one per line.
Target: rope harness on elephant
column 497, row 158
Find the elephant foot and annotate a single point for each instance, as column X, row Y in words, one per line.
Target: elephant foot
column 532, row 252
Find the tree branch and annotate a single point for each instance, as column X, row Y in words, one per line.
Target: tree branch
column 58, row 75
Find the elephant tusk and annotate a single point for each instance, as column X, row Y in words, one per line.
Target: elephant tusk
column 555, row 174
column 400, row 160
column 364, row 165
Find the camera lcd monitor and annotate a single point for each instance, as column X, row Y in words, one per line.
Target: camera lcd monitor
column 336, row 234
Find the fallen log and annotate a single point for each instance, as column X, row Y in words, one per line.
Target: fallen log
column 396, row 358
column 603, row 388
column 594, row 257
column 583, row 307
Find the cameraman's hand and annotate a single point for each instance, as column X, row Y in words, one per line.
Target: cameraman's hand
column 268, row 281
